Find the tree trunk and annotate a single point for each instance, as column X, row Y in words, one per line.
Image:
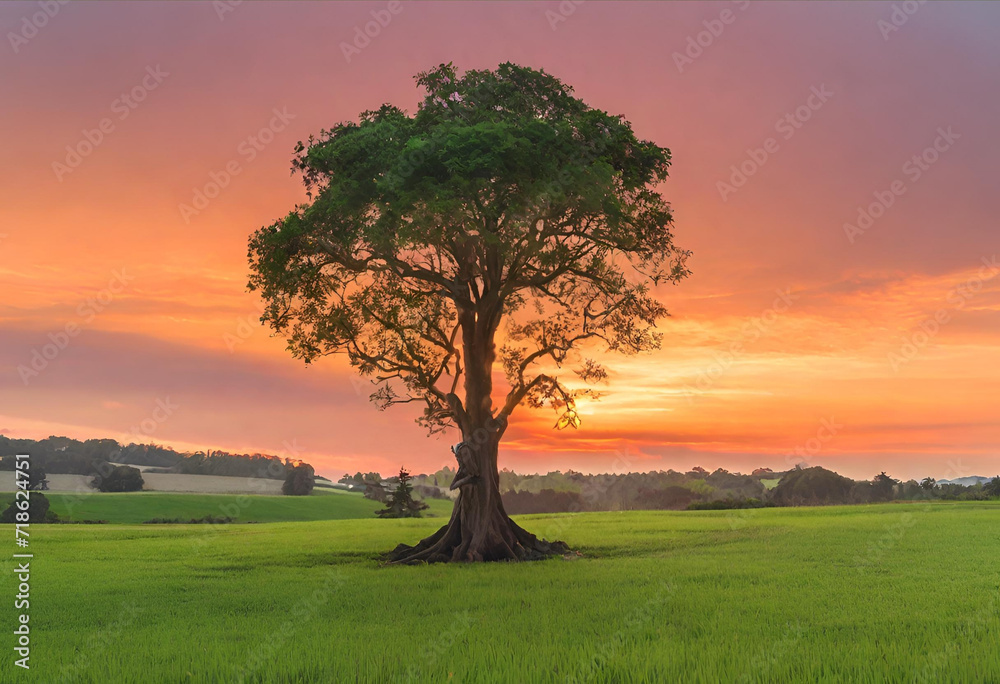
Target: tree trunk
column 479, row 529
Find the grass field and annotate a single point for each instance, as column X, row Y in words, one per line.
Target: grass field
column 138, row 507
column 890, row 593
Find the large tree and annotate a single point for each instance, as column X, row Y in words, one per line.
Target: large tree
column 505, row 223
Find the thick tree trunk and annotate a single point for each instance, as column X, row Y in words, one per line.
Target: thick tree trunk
column 479, row 529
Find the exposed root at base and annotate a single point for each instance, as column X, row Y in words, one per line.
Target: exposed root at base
column 449, row 545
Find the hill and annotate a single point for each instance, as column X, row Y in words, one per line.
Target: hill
column 138, row 507
column 969, row 481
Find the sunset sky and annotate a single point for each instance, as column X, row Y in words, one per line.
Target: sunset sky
column 887, row 329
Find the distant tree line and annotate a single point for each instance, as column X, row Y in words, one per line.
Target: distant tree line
column 699, row 489
column 62, row 455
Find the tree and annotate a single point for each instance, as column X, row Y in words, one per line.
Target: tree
column 505, row 223
column 374, row 489
column 883, row 487
column 992, row 488
column 812, row 486
column 928, row 483
column 401, row 503
column 37, row 510
column 300, row 480
column 37, row 479
column 119, row 479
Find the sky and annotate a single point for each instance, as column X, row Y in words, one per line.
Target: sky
column 834, row 171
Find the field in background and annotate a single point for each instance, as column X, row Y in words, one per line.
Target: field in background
column 163, row 482
column 898, row 593
column 138, row 507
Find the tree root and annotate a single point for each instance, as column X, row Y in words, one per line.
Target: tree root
column 502, row 540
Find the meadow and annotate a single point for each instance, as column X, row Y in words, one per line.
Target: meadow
column 138, row 507
column 885, row 593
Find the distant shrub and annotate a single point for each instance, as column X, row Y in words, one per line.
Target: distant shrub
column 545, row 501
column 37, row 510
column 300, row 481
column 673, row 497
column 119, row 479
column 726, row 504
column 430, row 492
column 207, row 520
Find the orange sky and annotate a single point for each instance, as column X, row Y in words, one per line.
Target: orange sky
column 862, row 349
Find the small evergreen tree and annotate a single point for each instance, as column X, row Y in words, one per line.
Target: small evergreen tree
column 401, row 503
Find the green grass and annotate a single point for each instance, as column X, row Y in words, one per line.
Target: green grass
column 891, row 593
column 138, row 507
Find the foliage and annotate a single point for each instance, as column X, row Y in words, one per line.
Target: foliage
column 119, row 479
column 503, row 198
column 36, row 478
column 812, row 486
column 401, row 503
column 545, row 501
column 38, row 510
column 58, row 454
column 992, row 488
column 233, row 465
column 62, row 455
column 300, row 481
column 883, row 487
column 726, row 504
column 205, row 520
